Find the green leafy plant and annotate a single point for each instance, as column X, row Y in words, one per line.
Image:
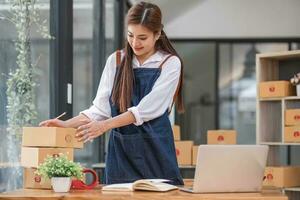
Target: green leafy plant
column 59, row 166
column 21, row 106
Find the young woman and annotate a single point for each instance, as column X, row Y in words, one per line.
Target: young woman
column 137, row 89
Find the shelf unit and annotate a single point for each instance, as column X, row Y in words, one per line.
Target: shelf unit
column 270, row 111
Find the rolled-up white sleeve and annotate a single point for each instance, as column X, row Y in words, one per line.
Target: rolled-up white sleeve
column 160, row 98
column 100, row 110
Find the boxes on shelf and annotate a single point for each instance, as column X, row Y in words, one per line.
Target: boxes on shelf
column 176, row 132
column 194, row 154
column 184, row 152
column 31, row 180
column 221, row 137
column 292, row 134
column 50, row 137
column 283, row 176
column 276, row 89
column 292, row 117
column 33, row 156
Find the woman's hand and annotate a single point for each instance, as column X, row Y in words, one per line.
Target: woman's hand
column 53, row 123
column 91, row 130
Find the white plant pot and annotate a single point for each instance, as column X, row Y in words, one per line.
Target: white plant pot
column 61, row 184
column 298, row 89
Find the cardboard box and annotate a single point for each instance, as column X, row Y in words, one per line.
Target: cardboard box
column 292, row 134
column 184, row 152
column 194, row 154
column 33, row 156
column 50, row 137
column 31, row 180
column 292, row 117
column 287, row 176
column 221, row 137
column 176, row 132
column 276, row 89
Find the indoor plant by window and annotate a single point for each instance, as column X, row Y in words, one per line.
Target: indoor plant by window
column 21, row 82
column 60, row 170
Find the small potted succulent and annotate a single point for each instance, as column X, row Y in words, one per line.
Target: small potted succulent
column 60, row 170
column 295, row 80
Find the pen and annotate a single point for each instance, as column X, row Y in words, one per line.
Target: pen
column 60, row 115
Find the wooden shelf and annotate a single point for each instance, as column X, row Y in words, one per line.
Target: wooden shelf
column 279, row 144
column 293, row 189
column 280, row 98
column 270, row 112
column 280, row 55
column 292, row 98
column 271, row 99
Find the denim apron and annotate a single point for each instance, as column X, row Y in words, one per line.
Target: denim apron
column 145, row 151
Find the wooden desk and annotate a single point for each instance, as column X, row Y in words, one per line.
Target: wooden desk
column 30, row 194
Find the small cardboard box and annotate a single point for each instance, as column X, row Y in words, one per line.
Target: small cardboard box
column 221, row 137
column 287, row 176
column 31, row 180
column 194, row 155
column 176, row 132
column 33, row 156
column 50, row 137
column 276, row 89
column 292, row 134
column 184, row 152
column 292, row 117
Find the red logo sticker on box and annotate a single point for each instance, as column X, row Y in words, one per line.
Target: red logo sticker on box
column 68, row 138
column 177, row 152
column 272, row 89
column 296, row 134
column 37, row 179
column 297, row 117
column 269, row 177
column 220, row 138
column 55, row 155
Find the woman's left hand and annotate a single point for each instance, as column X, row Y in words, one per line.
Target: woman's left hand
column 91, row 130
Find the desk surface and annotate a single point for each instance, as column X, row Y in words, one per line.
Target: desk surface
column 27, row 194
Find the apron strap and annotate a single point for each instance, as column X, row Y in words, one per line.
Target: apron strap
column 177, row 89
column 161, row 65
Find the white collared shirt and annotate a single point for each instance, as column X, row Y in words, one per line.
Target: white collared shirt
column 154, row 104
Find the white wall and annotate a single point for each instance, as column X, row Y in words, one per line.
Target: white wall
column 230, row 18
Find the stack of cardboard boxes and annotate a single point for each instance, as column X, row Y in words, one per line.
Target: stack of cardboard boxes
column 183, row 148
column 38, row 143
column 292, row 125
column 187, row 152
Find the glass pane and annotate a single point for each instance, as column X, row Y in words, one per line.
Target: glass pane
column 109, row 27
column 237, row 86
column 295, row 46
column 10, row 174
column 82, row 67
column 198, row 90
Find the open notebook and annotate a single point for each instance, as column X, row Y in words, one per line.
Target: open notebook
column 158, row 185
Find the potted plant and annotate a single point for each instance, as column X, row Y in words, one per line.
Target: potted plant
column 60, row 170
column 295, row 80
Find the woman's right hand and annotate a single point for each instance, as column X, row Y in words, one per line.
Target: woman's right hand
column 53, row 123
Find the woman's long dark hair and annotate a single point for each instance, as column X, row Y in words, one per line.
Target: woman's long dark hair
column 148, row 15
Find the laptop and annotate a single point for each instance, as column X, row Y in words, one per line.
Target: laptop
column 229, row 168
